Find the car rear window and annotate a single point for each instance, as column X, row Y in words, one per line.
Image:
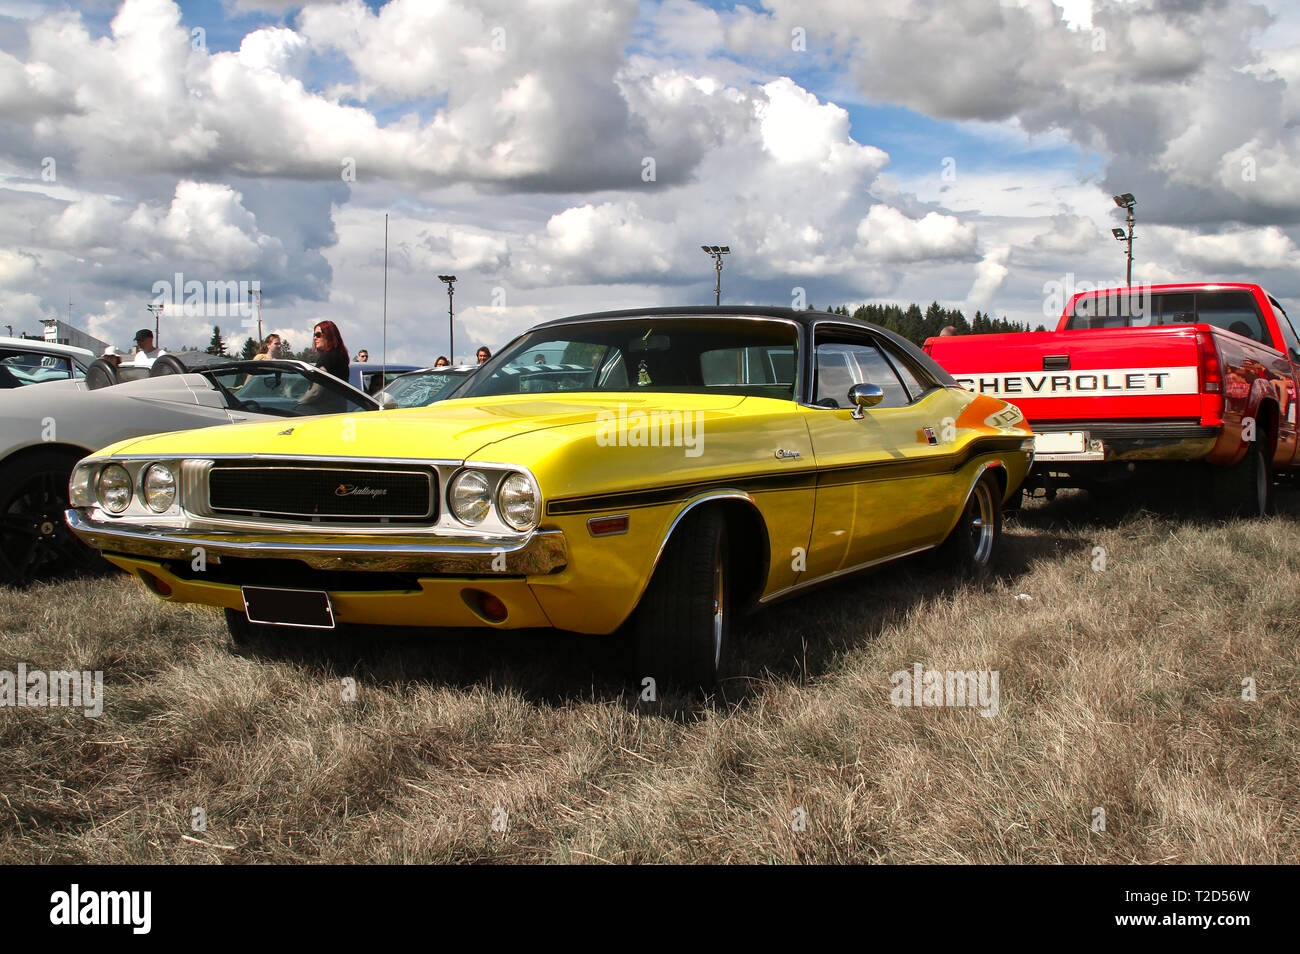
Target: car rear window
column 1233, row 311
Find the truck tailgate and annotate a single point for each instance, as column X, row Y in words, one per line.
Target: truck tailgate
column 1077, row 376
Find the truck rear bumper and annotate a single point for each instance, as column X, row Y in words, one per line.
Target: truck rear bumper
column 1096, row 442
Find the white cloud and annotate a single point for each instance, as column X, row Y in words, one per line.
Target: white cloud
column 989, row 275
column 887, row 235
column 1245, row 251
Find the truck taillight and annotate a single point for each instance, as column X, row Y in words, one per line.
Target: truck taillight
column 1211, row 374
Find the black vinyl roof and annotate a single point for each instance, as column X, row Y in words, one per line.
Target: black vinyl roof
column 804, row 317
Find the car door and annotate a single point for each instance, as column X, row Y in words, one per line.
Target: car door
column 885, row 481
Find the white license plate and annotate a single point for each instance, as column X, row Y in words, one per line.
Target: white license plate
column 1061, row 442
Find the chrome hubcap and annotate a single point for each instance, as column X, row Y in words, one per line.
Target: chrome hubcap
column 980, row 511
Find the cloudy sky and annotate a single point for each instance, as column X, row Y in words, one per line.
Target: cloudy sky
column 563, row 156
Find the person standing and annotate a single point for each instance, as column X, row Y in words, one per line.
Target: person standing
column 270, row 349
column 442, row 362
column 363, row 356
column 483, row 354
column 331, row 353
column 145, row 352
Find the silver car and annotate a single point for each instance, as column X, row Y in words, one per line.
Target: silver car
column 46, row 428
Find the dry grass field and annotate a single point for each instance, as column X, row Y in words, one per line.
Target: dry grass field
column 1120, row 689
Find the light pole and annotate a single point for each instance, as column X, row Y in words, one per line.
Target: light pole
column 256, row 295
column 1126, row 202
column 155, row 309
column 716, row 252
column 450, row 282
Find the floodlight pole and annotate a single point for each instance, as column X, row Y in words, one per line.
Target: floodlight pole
column 450, row 282
column 1128, row 279
column 716, row 252
column 155, row 309
column 1126, row 202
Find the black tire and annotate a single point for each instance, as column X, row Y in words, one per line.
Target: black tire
column 167, row 364
column 101, row 374
column 35, row 541
column 682, row 627
column 1246, row 488
column 973, row 545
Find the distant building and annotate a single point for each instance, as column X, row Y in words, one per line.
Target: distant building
column 60, row 332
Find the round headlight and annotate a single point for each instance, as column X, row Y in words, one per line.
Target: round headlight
column 469, row 497
column 114, row 488
column 159, row 487
column 517, row 502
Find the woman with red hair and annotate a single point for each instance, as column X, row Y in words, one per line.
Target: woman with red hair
column 331, row 354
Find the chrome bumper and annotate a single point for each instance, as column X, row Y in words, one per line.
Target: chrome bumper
column 542, row 552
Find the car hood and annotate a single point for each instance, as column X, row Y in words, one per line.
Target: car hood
column 449, row 430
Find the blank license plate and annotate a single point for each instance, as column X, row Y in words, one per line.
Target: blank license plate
column 310, row 608
column 1061, row 442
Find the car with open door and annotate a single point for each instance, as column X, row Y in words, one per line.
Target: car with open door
column 46, row 428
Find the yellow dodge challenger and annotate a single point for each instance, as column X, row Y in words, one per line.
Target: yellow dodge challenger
column 652, row 472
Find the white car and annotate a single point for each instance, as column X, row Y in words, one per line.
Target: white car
column 27, row 361
column 46, row 428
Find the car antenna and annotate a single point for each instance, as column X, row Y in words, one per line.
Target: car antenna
column 385, row 364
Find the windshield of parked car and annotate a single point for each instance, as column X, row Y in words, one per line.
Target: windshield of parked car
column 265, row 388
column 20, row 368
column 424, row 387
column 710, row 355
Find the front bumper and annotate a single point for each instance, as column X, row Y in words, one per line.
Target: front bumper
column 539, row 553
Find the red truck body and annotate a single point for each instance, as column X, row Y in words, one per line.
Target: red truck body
column 1133, row 378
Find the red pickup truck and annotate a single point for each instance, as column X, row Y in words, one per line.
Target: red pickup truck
column 1192, row 385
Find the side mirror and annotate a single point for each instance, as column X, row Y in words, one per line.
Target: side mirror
column 386, row 401
column 863, row 396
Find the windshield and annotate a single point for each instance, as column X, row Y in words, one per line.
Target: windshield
column 425, row 387
column 738, row 356
column 264, row 388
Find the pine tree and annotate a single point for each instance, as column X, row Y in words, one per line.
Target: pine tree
column 250, row 349
column 217, row 345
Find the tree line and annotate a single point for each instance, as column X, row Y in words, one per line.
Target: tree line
column 218, row 345
column 916, row 325
column 910, row 322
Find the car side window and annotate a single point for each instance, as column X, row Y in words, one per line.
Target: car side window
column 1284, row 326
column 842, row 363
column 916, row 380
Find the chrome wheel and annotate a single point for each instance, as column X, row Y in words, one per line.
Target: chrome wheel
column 980, row 517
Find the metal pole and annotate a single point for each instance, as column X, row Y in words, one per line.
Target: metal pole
column 717, row 288
column 451, row 321
column 1129, row 279
column 385, row 290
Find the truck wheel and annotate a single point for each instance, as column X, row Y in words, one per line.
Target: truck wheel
column 35, row 541
column 682, row 625
column 1246, row 488
column 973, row 544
